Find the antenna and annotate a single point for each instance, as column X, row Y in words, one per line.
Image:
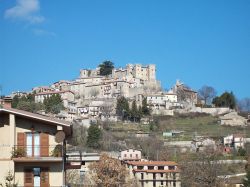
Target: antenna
column 1, row 88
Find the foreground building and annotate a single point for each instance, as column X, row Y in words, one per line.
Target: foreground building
column 155, row 173
column 31, row 148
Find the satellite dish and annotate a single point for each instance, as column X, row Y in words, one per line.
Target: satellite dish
column 59, row 137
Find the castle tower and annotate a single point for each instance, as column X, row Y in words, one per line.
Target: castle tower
column 137, row 71
column 151, row 72
column 83, row 73
column 129, row 68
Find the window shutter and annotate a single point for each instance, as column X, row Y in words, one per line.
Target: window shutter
column 44, row 177
column 44, row 142
column 21, row 139
column 28, row 178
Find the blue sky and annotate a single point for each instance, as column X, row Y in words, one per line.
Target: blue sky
column 200, row 42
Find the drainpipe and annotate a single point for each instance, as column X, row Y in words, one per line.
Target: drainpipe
column 63, row 162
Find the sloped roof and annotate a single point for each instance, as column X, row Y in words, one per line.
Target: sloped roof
column 152, row 163
column 29, row 115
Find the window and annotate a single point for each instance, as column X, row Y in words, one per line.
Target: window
column 142, row 176
column 140, row 167
column 35, row 144
column 136, row 155
column 130, row 155
column 150, row 167
column 160, row 167
column 154, row 184
column 171, row 167
column 161, row 182
column 161, row 174
column 154, row 176
column 125, row 155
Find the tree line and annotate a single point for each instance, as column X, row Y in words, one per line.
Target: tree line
column 52, row 104
column 133, row 113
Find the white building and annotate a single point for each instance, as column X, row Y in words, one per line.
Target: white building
column 163, row 103
column 130, row 155
column 234, row 140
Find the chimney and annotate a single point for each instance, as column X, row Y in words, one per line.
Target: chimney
column 6, row 102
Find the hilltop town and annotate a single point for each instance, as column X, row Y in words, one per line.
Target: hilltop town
column 125, row 116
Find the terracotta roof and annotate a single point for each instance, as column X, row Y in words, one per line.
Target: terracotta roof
column 152, row 163
column 54, row 92
column 127, row 159
column 157, row 171
column 50, row 120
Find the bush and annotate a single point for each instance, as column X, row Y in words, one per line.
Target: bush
column 18, row 152
column 9, row 178
column 57, row 152
column 242, row 152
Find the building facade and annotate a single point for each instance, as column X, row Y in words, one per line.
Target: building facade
column 29, row 149
column 155, row 173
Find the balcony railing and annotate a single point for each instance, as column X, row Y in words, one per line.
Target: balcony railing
column 37, row 151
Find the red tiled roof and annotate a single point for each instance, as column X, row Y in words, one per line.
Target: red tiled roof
column 157, row 171
column 152, row 163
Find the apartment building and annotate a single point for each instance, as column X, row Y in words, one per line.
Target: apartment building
column 31, row 148
column 155, row 173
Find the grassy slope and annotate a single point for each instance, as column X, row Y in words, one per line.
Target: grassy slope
column 202, row 125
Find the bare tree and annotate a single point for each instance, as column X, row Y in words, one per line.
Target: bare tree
column 79, row 137
column 108, row 172
column 73, row 177
column 201, row 170
column 244, row 105
column 207, row 93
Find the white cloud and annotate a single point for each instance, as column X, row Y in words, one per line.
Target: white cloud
column 27, row 10
column 41, row 32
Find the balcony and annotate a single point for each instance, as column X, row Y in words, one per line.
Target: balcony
column 51, row 153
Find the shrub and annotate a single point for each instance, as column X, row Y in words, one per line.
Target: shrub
column 57, row 152
column 18, row 152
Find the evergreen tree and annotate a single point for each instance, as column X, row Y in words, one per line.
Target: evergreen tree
column 94, row 136
column 53, row 104
column 26, row 103
column 106, row 68
column 225, row 100
column 145, row 109
column 122, row 107
column 15, row 101
column 134, row 111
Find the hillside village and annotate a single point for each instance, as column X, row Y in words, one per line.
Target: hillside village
column 121, row 114
column 93, row 96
